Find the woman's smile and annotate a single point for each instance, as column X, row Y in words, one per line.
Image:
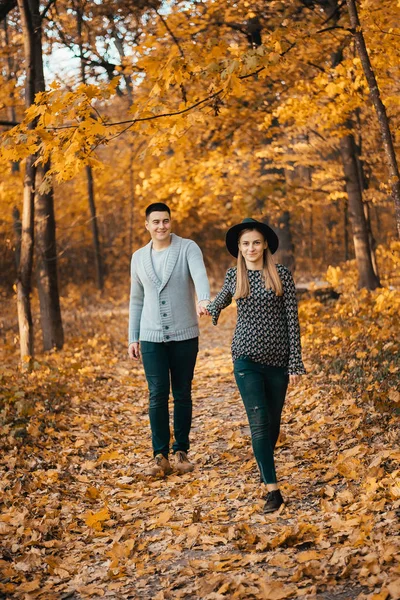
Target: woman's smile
column 252, row 246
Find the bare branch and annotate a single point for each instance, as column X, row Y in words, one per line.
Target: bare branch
column 384, row 31
column 47, row 8
column 9, row 123
column 334, row 27
column 171, row 33
column 152, row 118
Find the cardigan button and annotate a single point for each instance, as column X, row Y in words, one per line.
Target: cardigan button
column 165, row 315
column 167, row 337
column 166, row 327
column 162, row 301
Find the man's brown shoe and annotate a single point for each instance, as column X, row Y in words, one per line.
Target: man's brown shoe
column 161, row 467
column 182, row 465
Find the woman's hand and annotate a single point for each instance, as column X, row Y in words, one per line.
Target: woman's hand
column 293, row 379
column 201, row 308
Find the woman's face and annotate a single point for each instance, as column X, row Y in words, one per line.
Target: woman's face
column 252, row 246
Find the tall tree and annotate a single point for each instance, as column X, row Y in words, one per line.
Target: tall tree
column 10, row 76
column 45, row 238
column 24, row 274
column 379, row 108
column 367, row 276
column 98, row 259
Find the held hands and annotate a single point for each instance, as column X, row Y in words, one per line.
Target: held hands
column 134, row 350
column 201, row 308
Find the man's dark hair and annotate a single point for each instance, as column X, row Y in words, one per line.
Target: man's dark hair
column 157, row 206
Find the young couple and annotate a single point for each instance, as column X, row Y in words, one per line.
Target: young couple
column 163, row 329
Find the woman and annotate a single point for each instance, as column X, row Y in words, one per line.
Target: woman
column 266, row 347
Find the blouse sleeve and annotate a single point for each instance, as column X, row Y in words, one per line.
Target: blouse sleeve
column 222, row 299
column 296, row 366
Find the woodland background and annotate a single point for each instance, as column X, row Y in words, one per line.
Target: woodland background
column 222, row 110
column 275, row 121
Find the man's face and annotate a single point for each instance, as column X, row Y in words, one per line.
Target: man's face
column 158, row 225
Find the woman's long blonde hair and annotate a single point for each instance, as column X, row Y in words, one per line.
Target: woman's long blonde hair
column 270, row 274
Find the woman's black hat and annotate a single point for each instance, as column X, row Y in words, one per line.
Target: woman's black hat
column 232, row 235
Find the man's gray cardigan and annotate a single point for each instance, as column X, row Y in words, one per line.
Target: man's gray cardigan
column 165, row 311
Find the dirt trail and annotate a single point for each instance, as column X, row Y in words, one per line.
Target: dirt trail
column 81, row 520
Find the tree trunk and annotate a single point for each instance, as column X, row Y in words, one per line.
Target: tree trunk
column 378, row 219
column 346, row 230
column 364, row 186
column 120, row 47
column 379, row 108
column 89, row 173
column 350, row 152
column 95, row 230
column 371, row 238
column 12, row 116
column 24, row 273
column 285, row 254
column 45, row 225
column 45, row 237
column 297, row 175
column 17, row 226
column 46, row 266
column 367, row 277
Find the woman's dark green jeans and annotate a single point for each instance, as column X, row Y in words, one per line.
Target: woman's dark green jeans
column 163, row 362
column 263, row 390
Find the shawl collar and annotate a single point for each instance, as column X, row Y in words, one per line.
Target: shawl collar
column 174, row 250
column 148, row 265
column 173, row 254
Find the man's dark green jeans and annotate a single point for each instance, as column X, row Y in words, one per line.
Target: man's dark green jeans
column 163, row 362
column 263, row 390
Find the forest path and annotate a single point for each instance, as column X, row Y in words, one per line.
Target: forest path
column 81, row 520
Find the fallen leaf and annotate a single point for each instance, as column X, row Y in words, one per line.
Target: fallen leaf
column 29, row 586
column 94, row 520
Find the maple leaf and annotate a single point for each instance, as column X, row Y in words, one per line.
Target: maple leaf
column 95, row 520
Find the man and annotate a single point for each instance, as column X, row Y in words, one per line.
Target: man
column 163, row 329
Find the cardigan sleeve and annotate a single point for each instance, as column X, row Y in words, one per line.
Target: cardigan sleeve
column 135, row 303
column 296, row 366
column 198, row 272
column 222, row 299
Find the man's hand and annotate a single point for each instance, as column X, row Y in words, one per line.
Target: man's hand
column 201, row 308
column 134, row 350
column 293, row 379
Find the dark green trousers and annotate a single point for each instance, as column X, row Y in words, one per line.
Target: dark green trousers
column 263, row 390
column 168, row 363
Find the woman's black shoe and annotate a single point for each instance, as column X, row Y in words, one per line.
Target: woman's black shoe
column 273, row 501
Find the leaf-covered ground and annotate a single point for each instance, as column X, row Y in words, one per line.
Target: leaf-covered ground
column 79, row 518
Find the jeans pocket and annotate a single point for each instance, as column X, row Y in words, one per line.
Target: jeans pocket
column 147, row 348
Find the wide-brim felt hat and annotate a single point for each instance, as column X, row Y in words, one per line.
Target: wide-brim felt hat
column 232, row 235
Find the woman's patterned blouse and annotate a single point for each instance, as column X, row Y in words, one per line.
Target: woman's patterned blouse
column 267, row 329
